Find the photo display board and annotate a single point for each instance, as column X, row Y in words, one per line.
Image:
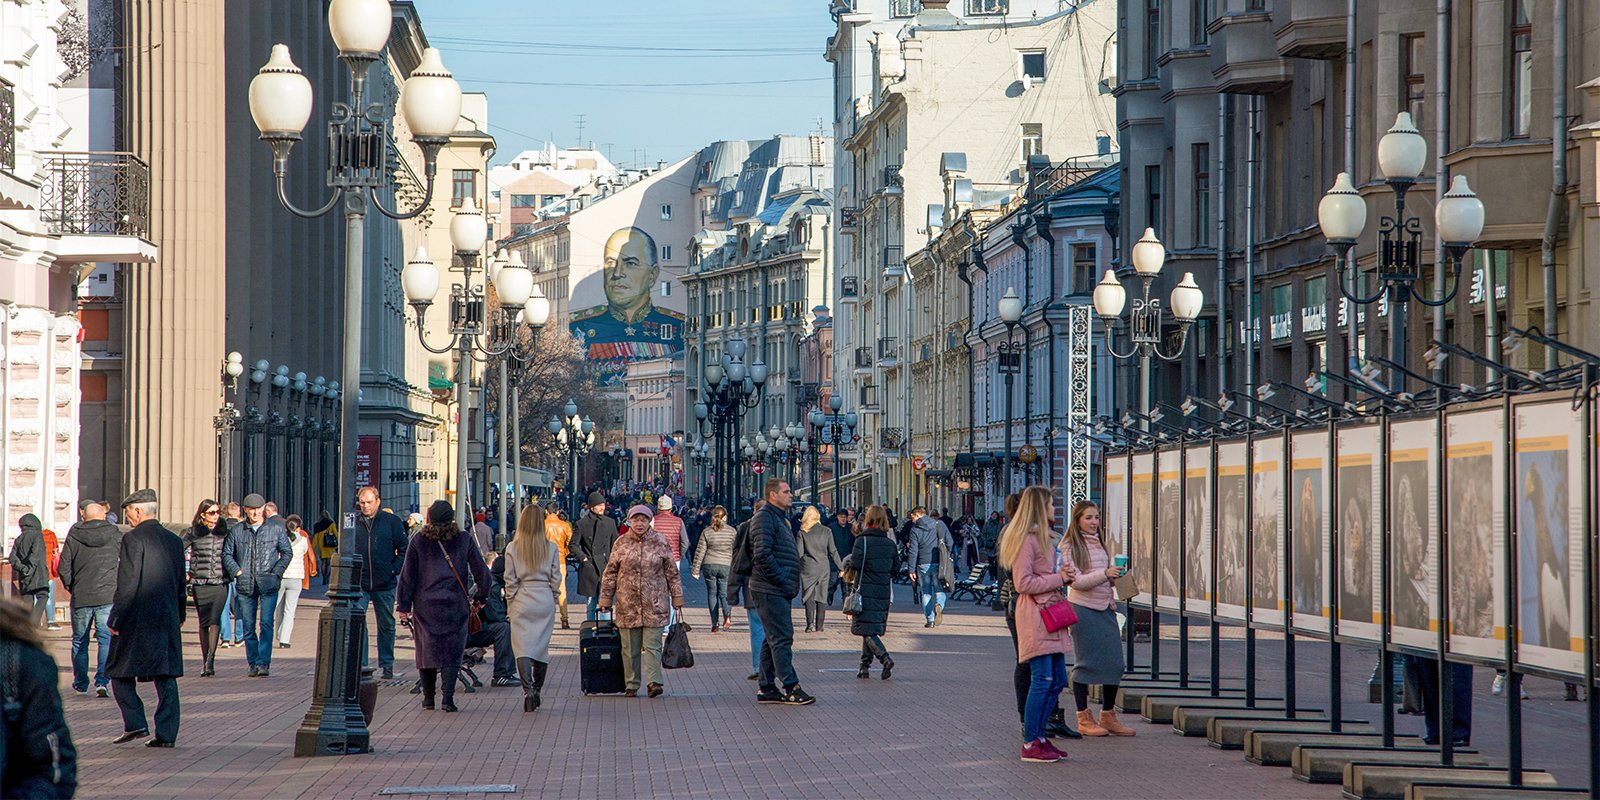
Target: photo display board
column 1232, row 580
column 1413, row 534
column 1309, row 532
column 1549, row 544
column 1114, row 505
column 1266, row 531
column 1475, row 511
column 1355, row 511
column 1141, row 514
column 1169, row 534
column 1197, row 532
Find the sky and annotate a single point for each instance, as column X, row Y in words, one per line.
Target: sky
column 651, row 80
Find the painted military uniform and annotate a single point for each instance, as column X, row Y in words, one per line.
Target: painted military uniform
column 610, row 342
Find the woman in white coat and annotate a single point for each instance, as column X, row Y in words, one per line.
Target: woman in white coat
column 295, row 578
column 532, row 584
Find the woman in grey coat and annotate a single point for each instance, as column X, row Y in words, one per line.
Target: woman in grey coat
column 532, row 584
column 819, row 559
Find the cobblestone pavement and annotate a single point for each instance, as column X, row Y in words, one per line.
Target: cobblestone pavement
column 944, row 726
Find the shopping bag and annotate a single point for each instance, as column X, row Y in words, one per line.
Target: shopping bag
column 676, row 653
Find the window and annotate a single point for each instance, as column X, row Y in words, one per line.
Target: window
column 1413, row 91
column 1033, row 64
column 1200, row 14
column 1152, row 39
column 904, row 8
column 988, row 8
column 666, row 212
column 524, row 201
column 1152, row 198
column 1201, row 204
column 1032, row 139
column 1084, row 265
column 666, row 252
column 1521, row 79
column 463, row 186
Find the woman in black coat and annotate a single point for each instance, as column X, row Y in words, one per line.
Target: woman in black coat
column 874, row 558
column 207, row 581
column 37, row 759
column 432, row 598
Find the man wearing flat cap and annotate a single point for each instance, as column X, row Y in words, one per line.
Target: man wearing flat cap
column 255, row 555
column 592, row 538
column 147, row 615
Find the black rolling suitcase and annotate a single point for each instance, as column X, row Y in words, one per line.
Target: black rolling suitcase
column 600, row 658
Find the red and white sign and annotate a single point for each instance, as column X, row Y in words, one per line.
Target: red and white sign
column 758, row 468
column 369, row 450
column 919, row 463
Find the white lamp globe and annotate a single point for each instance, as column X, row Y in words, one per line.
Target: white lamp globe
column 1187, row 298
column 1342, row 214
column 280, row 96
column 420, row 278
column 1010, row 306
column 514, row 286
column 1109, row 296
column 537, row 310
column 1149, row 254
column 1402, row 151
column 1459, row 215
column 468, row 229
column 430, row 99
column 359, row 26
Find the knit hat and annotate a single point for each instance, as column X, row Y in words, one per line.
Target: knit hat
column 665, row 503
column 440, row 512
column 641, row 509
column 595, row 499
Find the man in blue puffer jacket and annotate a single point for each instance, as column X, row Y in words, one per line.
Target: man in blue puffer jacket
column 255, row 555
column 773, row 583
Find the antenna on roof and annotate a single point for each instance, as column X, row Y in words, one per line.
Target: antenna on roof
column 580, row 128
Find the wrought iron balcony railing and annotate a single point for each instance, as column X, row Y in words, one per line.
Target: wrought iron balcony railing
column 96, row 194
column 8, row 127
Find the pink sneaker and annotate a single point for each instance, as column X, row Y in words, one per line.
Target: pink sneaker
column 1041, row 752
column 1052, row 747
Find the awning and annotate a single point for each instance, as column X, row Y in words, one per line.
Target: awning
column 826, row 487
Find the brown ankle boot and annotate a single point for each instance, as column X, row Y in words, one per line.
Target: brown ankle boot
column 1109, row 722
column 1087, row 726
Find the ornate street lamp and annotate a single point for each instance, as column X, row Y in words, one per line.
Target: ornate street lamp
column 1458, row 221
column 574, row 437
column 730, row 390
column 1145, row 324
column 833, row 429
column 1010, row 363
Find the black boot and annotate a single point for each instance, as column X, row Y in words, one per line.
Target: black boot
column 530, row 695
column 866, row 664
column 888, row 665
column 1056, row 726
column 208, row 651
column 430, row 680
column 540, row 668
column 449, row 675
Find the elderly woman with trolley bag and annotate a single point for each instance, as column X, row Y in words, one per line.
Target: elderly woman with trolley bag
column 641, row 578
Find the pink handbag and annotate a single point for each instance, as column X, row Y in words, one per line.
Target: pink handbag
column 1058, row 616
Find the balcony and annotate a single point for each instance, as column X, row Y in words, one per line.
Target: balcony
column 1310, row 28
column 1046, row 179
column 99, row 204
column 1244, row 54
column 863, row 360
column 894, row 261
column 888, row 352
column 849, row 289
column 849, row 219
column 894, row 184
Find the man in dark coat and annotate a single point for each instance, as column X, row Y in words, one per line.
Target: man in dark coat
column 592, row 537
column 30, row 566
column 255, row 555
column 774, row 580
column 380, row 538
column 928, row 553
column 147, row 616
column 89, row 573
column 843, row 541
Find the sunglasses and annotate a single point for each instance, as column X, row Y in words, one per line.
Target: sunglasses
column 211, row 513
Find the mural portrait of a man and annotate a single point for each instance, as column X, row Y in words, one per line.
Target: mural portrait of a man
column 629, row 327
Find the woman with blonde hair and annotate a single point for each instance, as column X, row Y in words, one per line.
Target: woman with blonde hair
column 712, row 558
column 1096, row 640
column 532, row 585
column 819, row 558
column 1039, row 577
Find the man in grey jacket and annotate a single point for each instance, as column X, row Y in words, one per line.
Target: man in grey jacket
column 89, row 572
column 255, row 555
column 929, row 554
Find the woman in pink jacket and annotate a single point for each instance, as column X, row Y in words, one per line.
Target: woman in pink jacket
column 1096, row 640
column 1039, row 577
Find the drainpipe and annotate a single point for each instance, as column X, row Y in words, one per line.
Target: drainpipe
column 1351, row 337
column 1441, row 170
column 1251, row 313
column 975, row 249
column 1558, row 176
column 1042, row 227
column 1221, row 354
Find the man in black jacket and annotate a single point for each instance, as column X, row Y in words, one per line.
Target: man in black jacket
column 380, row 539
column 89, row 572
column 255, row 555
column 146, row 622
column 30, row 566
column 592, row 537
column 774, row 580
column 844, row 542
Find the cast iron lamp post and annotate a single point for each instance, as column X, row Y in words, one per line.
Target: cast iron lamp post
column 358, row 137
column 508, row 426
column 730, row 390
column 1145, row 324
column 574, row 439
column 1010, row 351
column 833, row 429
column 1458, row 220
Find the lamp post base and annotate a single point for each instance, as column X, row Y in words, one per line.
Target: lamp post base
column 334, row 724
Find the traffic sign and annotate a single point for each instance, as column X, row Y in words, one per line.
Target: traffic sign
column 758, row 468
column 919, row 463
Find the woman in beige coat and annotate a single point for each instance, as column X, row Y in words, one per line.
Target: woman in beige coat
column 641, row 577
column 532, row 584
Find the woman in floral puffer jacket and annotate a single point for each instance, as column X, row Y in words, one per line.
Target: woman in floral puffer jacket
column 641, row 577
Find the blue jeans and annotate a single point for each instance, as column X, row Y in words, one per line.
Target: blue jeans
column 50, row 605
column 232, row 625
column 255, row 610
column 1049, row 678
column 382, row 603
column 99, row 616
column 716, row 576
column 758, row 635
column 592, row 607
column 928, row 587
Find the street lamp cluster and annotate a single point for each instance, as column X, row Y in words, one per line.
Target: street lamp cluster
column 833, row 429
column 731, row 389
column 307, row 416
column 574, row 438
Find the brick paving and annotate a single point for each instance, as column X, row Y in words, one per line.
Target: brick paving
column 942, row 727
